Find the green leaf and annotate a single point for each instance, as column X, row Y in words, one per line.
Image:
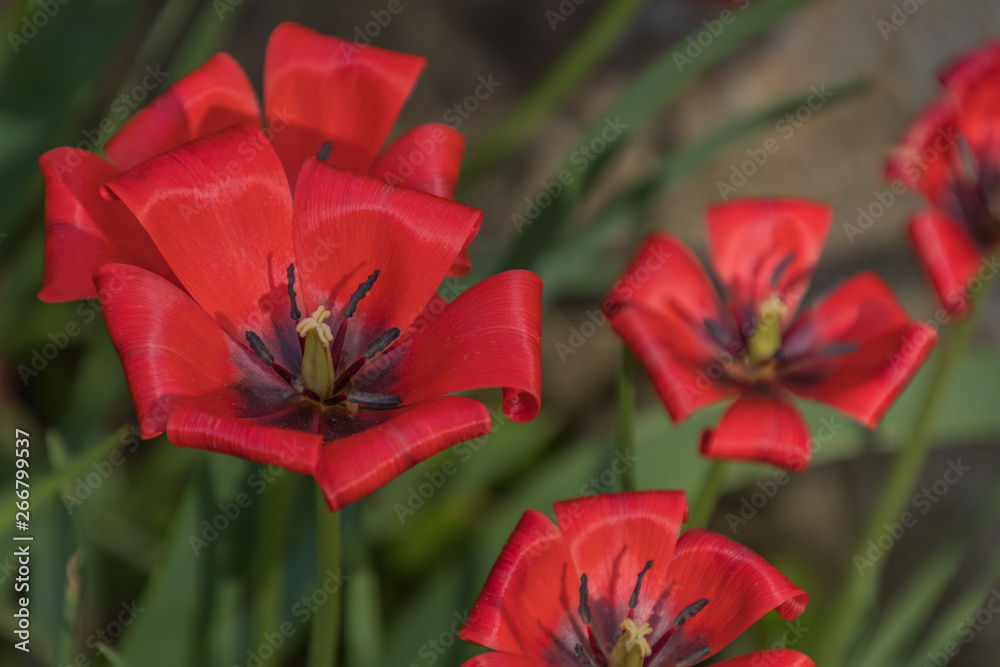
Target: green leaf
column 171, row 599
column 640, row 103
column 952, row 627
column 901, row 622
column 580, row 266
column 600, row 36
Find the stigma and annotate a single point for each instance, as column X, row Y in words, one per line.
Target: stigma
column 317, row 360
column 315, row 322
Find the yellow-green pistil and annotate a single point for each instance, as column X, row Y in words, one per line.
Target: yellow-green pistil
column 765, row 341
column 318, row 373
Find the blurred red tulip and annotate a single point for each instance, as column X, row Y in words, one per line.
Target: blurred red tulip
column 952, row 155
column 855, row 349
column 613, row 585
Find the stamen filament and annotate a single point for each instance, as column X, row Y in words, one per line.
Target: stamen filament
column 373, row 400
column 360, row 293
column 260, row 349
column 295, row 314
column 584, row 609
column 689, row 612
column 324, row 151
column 694, row 658
column 634, row 600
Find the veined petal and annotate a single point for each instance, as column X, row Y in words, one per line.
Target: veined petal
column 348, row 226
column 84, row 231
column 321, row 89
column 884, row 349
column 767, row 246
column 739, row 585
column 776, row 658
column 172, row 351
column 490, row 336
column 352, row 467
column 210, row 98
column 193, row 425
column 529, row 603
column 948, row 255
column 427, row 157
column 761, row 426
column 219, row 211
column 611, row 537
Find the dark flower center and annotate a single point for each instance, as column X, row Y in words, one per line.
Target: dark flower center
column 326, row 375
column 632, row 648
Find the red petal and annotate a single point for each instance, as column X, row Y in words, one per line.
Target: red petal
column 212, row 97
column 972, row 80
column 611, row 537
column 319, row 89
column 192, row 425
column 949, row 256
column 971, row 66
column 928, row 155
column 684, row 386
column 83, row 230
column 659, row 308
column 529, row 603
column 762, row 427
column 665, row 279
column 777, row 658
column 220, row 211
column 862, row 313
column 505, row 660
column 739, row 585
column 173, row 351
column 352, row 467
column 490, row 336
column 752, row 239
column 428, row 157
column 347, row 226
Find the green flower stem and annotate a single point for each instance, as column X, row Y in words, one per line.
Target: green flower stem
column 711, row 490
column 598, row 38
column 857, row 590
column 324, row 636
column 626, row 418
column 71, row 606
column 267, row 570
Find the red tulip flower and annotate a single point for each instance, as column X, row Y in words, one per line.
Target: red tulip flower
column 308, row 333
column 855, row 349
column 952, row 155
column 613, row 585
column 317, row 89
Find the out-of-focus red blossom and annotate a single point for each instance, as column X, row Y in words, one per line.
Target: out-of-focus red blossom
column 855, row 349
column 308, row 333
column 952, row 155
column 613, row 585
column 316, row 89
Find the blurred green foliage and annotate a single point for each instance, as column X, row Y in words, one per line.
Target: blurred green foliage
column 146, row 518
